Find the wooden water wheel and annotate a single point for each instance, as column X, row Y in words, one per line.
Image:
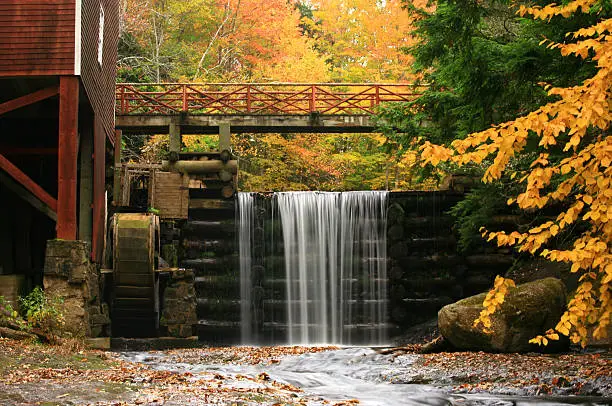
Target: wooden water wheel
column 135, row 304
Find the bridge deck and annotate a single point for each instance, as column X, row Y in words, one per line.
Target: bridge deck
column 254, row 108
column 209, row 124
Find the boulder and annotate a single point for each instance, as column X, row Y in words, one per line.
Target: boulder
column 529, row 310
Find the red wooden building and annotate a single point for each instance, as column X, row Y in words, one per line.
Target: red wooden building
column 57, row 81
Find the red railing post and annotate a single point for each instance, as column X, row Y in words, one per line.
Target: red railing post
column 185, row 107
column 313, row 98
column 122, row 100
column 248, row 101
column 377, row 95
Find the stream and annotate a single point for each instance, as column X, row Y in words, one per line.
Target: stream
column 361, row 374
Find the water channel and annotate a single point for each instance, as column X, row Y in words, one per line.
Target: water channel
column 362, row 374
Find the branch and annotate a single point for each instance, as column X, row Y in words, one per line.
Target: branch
column 213, row 39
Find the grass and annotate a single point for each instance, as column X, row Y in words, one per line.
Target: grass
column 68, row 355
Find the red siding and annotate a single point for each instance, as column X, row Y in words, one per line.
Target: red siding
column 99, row 83
column 37, row 37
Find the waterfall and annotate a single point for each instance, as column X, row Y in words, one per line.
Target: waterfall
column 245, row 216
column 334, row 259
column 310, row 224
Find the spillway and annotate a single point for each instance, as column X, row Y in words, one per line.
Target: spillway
column 319, row 275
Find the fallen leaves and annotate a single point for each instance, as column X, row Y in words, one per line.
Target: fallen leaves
column 142, row 384
column 475, row 372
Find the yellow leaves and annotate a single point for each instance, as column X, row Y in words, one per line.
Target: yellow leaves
column 543, row 340
column 579, row 121
column 434, row 154
column 493, row 301
column 540, row 340
column 551, row 10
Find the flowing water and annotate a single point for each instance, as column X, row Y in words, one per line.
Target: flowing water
column 245, row 217
column 335, row 276
column 362, row 374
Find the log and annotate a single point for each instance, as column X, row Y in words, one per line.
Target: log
column 201, row 167
column 8, row 323
column 438, row 344
column 227, row 191
column 398, row 292
column 404, row 349
column 15, row 334
column 226, row 175
column 225, row 155
column 396, row 273
column 395, row 214
column 396, row 232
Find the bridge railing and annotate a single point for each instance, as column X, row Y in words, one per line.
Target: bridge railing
column 258, row 98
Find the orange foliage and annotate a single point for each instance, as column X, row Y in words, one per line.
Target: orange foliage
column 364, row 39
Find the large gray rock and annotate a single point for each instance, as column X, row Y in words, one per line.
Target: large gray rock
column 529, row 310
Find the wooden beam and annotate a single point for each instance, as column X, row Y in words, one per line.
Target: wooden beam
column 9, row 150
column 86, row 183
column 67, row 158
column 117, row 170
column 28, row 184
column 28, row 99
column 99, row 189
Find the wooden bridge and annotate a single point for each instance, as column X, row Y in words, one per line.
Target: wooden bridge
column 255, row 107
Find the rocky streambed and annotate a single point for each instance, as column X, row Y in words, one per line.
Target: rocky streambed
column 365, row 376
column 299, row 375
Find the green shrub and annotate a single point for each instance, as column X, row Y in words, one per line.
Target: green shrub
column 9, row 316
column 43, row 312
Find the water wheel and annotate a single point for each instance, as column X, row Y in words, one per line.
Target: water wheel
column 135, row 304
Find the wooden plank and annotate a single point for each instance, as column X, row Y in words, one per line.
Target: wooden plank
column 26, row 43
column 171, row 195
column 67, row 158
column 18, row 25
column 26, row 36
column 27, row 183
column 35, row 53
column 68, row 69
column 28, row 99
column 36, row 29
column 37, row 62
column 213, row 204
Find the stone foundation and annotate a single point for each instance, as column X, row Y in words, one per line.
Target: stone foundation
column 70, row 275
column 425, row 270
column 178, row 304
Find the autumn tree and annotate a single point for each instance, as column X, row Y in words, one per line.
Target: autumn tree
column 363, row 40
column 570, row 153
column 215, row 40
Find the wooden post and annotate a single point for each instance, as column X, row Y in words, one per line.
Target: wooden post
column 175, row 142
column 313, row 98
column 99, row 189
column 185, row 105
column 67, row 158
column 225, row 137
column 86, row 183
column 117, row 171
column 248, row 98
